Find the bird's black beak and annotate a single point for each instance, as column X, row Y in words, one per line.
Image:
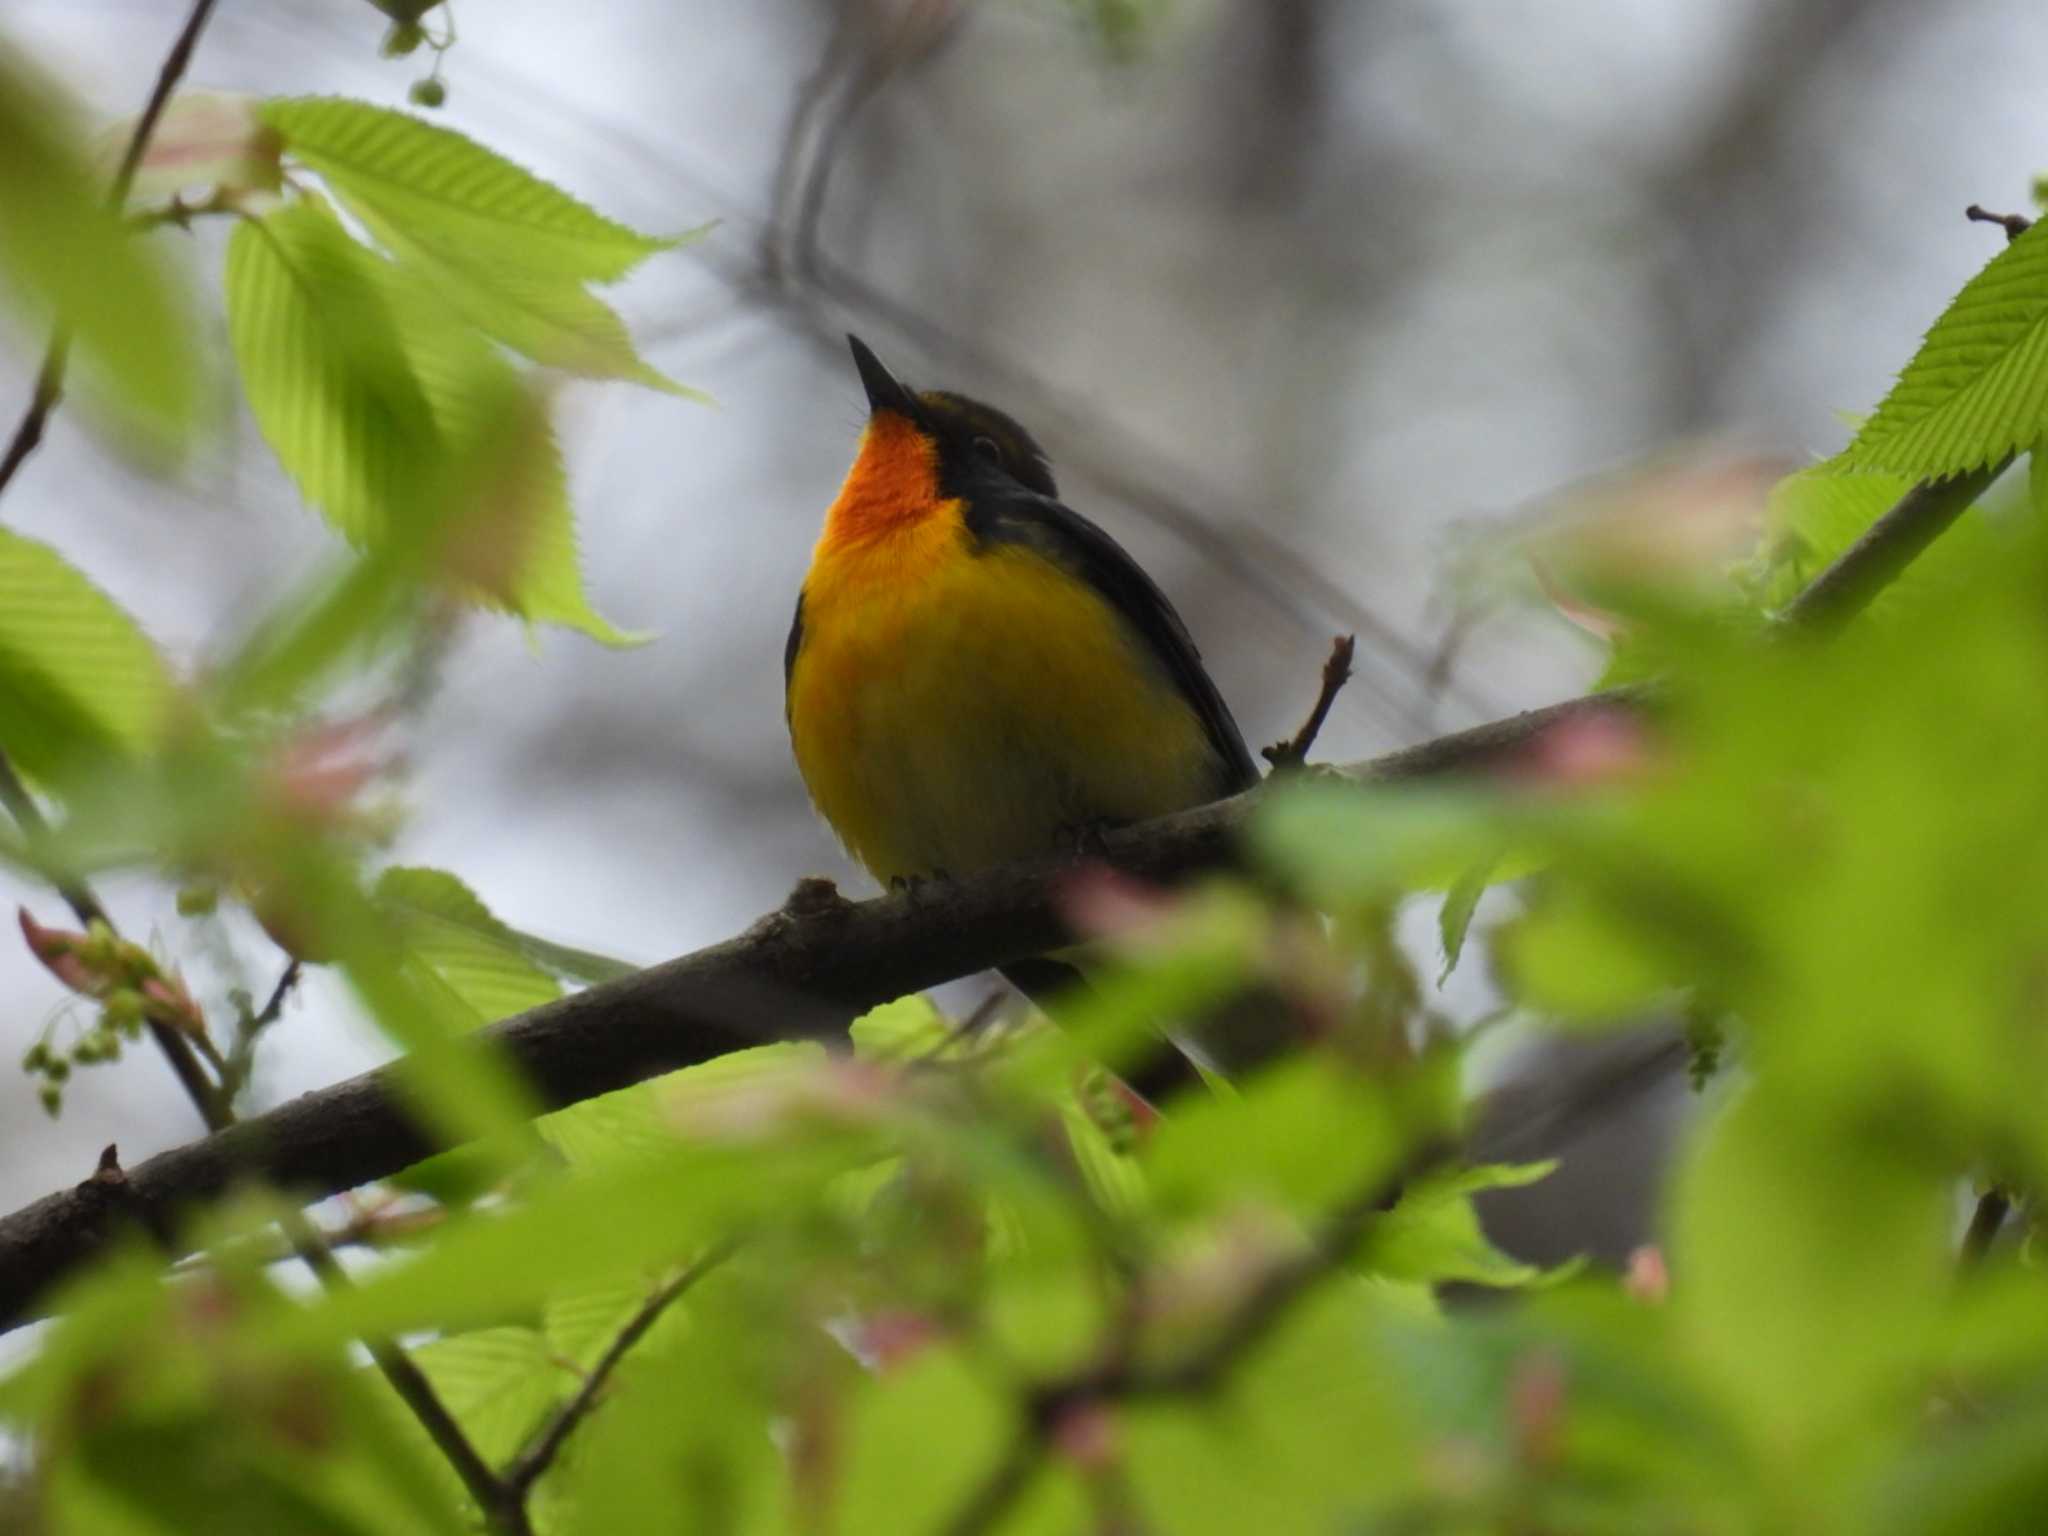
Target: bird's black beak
column 885, row 393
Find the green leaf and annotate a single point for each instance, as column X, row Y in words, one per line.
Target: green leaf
column 909, row 1029
column 1812, row 1267
column 432, row 182
column 1977, row 389
column 1434, row 1236
column 327, row 373
column 449, row 930
column 1814, row 515
column 405, row 427
column 500, row 1383
column 77, row 675
column 920, row 1440
column 1571, row 956
column 553, row 321
column 1454, row 918
column 68, row 257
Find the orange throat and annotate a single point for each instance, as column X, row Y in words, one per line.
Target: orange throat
column 894, row 483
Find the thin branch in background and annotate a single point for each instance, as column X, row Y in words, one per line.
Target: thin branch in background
column 1118, row 1378
column 519, row 1478
column 1293, row 752
column 2013, row 224
column 413, row 1389
column 28, row 436
column 176, row 1046
column 241, row 1059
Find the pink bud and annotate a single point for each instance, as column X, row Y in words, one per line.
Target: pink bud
column 58, row 949
column 1591, row 749
column 166, row 1000
column 1648, row 1279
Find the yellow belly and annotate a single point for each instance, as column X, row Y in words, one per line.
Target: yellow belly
column 953, row 709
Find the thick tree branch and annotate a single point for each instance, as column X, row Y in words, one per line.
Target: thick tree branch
column 802, row 972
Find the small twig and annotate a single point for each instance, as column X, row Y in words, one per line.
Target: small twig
column 1118, row 1378
column 1992, row 1208
column 1292, row 753
column 519, row 1478
column 2013, row 224
column 50, row 377
column 1887, row 547
column 414, row 1390
column 234, row 1072
column 177, row 1047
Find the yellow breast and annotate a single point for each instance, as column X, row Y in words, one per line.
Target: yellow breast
column 954, row 707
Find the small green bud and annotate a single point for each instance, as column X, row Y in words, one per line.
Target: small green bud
column 100, row 946
column 53, row 1100
column 403, row 38
column 35, row 1058
column 198, row 900
column 427, row 93
column 123, row 1008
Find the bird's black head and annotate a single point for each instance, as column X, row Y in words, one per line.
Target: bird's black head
column 978, row 445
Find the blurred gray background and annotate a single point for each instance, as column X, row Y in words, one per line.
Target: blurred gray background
column 1299, row 293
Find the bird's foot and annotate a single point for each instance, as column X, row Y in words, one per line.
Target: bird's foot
column 920, row 887
column 1088, row 839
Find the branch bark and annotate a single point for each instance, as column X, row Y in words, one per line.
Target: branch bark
column 805, row 971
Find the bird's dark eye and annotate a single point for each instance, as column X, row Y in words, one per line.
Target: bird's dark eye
column 988, row 448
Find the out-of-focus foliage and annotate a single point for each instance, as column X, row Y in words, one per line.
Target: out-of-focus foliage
column 66, row 259
column 954, row 1279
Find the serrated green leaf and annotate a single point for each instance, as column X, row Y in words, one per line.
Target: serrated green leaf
column 68, row 256
column 500, row 1383
column 326, row 371
column 77, row 675
column 433, row 182
column 1814, row 515
column 450, row 931
column 1977, row 390
column 404, row 426
column 552, row 320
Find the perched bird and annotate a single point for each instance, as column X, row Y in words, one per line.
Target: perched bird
column 977, row 673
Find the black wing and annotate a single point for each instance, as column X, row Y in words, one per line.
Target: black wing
column 1016, row 516
column 790, row 647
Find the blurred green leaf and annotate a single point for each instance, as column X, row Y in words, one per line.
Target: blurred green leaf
column 68, row 257
column 1454, row 918
column 1811, row 1271
column 78, row 678
column 448, row 929
column 1433, row 1235
column 1571, row 957
column 918, row 1442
